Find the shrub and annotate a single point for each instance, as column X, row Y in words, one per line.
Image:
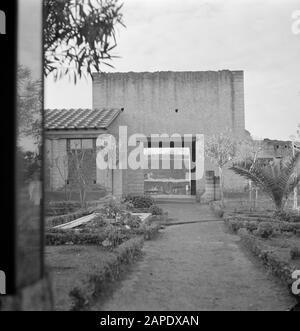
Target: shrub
column 149, row 231
column 295, row 253
column 155, row 210
column 264, row 230
column 139, row 201
column 288, row 216
column 133, row 221
column 129, row 250
column 62, row 219
column 128, row 205
column 112, row 209
column 234, row 225
column 114, row 235
column 251, row 226
column 78, row 299
column 289, row 227
column 73, row 237
column 242, row 232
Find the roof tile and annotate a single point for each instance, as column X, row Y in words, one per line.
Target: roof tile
column 70, row 119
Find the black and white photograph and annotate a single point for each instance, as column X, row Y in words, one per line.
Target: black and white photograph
column 156, row 158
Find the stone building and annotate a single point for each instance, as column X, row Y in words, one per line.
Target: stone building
column 184, row 103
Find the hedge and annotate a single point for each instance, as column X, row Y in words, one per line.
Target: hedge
column 234, row 224
column 97, row 283
column 277, row 266
column 72, row 237
column 148, row 231
column 62, row 219
column 139, row 201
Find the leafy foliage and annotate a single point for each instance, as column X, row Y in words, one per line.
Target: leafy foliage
column 29, row 104
column 278, row 179
column 264, row 230
column 248, row 151
column 79, row 35
column 221, row 148
column 155, row 210
column 112, row 209
column 139, row 201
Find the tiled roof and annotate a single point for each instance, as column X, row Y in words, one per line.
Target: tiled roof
column 74, row 119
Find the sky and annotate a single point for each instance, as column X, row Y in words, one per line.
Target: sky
column 190, row 35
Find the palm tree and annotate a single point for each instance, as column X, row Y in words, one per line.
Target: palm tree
column 277, row 180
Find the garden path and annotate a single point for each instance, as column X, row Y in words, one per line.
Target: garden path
column 196, row 266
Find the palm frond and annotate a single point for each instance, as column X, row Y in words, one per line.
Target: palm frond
column 276, row 180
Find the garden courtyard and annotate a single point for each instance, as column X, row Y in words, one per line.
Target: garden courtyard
column 197, row 266
column 185, row 256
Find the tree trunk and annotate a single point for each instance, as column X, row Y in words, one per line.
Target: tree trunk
column 221, row 186
column 250, row 195
column 256, row 198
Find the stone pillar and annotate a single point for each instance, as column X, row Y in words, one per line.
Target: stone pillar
column 209, row 194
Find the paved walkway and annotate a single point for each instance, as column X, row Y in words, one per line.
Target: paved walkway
column 197, row 266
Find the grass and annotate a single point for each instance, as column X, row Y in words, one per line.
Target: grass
column 70, row 267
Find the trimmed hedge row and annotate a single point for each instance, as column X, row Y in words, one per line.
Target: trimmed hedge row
column 72, row 237
column 56, row 237
column 277, row 266
column 96, row 284
column 234, row 224
column 62, row 219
